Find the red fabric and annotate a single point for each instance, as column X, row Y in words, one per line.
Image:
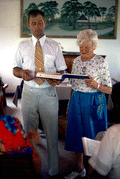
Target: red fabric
column 14, row 142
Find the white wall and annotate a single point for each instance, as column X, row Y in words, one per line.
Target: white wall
column 10, row 37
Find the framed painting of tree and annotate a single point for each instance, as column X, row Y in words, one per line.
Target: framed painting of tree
column 66, row 18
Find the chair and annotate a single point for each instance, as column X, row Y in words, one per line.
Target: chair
column 17, row 167
column 18, row 93
column 114, row 114
column 4, row 95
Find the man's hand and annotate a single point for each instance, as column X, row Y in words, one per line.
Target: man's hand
column 53, row 82
column 26, row 75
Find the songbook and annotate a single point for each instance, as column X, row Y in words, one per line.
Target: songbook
column 90, row 145
column 60, row 77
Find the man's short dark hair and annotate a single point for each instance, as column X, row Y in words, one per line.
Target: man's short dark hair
column 34, row 13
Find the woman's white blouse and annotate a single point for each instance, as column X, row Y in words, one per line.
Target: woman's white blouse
column 96, row 68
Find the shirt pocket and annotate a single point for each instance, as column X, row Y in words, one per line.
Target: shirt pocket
column 49, row 62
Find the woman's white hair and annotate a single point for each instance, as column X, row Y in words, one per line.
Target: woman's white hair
column 88, row 34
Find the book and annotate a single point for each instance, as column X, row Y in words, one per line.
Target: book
column 59, row 76
column 90, row 145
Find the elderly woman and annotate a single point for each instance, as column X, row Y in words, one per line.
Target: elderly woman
column 87, row 113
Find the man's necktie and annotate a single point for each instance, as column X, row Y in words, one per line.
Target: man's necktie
column 39, row 62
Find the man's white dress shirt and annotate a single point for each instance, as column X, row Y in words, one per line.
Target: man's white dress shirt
column 52, row 54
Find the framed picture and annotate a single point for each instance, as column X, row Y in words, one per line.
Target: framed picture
column 65, row 19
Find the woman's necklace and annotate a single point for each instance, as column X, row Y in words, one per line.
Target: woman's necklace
column 84, row 68
column 84, row 62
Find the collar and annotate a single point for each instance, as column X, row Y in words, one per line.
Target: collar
column 41, row 40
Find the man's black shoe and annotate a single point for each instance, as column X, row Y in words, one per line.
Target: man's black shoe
column 57, row 176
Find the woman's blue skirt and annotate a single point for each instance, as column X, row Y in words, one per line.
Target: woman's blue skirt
column 87, row 116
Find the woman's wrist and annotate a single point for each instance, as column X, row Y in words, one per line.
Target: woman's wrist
column 98, row 86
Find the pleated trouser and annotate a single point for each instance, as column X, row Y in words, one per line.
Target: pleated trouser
column 43, row 102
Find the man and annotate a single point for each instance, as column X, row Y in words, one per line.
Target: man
column 40, row 99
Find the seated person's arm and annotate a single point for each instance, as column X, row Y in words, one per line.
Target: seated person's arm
column 2, row 148
column 33, row 137
column 94, row 174
column 103, row 159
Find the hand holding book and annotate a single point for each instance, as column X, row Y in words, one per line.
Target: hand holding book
column 53, row 82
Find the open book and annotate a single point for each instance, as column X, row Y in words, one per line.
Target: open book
column 90, row 145
column 59, row 76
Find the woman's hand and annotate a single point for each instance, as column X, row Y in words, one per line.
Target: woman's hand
column 91, row 83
